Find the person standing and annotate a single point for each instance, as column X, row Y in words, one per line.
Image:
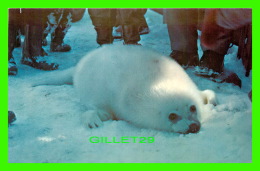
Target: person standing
column 183, row 26
column 105, row 19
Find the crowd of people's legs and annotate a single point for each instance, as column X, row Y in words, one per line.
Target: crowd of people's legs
column 217, row 32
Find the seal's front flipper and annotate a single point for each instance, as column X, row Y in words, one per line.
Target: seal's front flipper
column 90, row 119
column 95, row 118
column 209, row 97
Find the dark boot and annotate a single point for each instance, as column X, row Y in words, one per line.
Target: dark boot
column 40, row 62
column 186, row 59
column 104, row 35
column 57, row 44
column 33, row 54
column 12, row 68
column 212, row 61
column 11, row 117
column 143, row 26
column 56, row 47
column 131, row 34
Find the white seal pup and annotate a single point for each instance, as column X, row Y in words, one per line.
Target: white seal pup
column 137, row 85
column 140, row 86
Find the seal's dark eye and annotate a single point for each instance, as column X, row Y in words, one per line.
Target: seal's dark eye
column 193, row 108
column 173, row 116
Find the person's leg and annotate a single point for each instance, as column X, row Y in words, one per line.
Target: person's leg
column 33, row 53
column 64, row 24
column 182, row 29
column 129, row 19
column 213, row 57
column 103, row 21
column 11, row 117
column 12, row 33
column 143, row 26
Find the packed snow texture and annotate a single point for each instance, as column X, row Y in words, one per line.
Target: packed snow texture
column 48, row 128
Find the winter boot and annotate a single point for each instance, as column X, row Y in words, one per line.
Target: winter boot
column 33, row 53
column 56, row 47
column 185, row 59
column 57, row 44
column 104, row 35
column 11, row 117
column 12, row 68
column 212, row 61
column 131, row 35
column 39, row 62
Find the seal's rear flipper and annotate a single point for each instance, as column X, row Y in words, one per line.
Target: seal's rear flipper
column 55, row 78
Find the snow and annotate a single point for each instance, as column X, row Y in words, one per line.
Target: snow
column 48, row 127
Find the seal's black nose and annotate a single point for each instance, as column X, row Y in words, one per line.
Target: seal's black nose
column 194, row 128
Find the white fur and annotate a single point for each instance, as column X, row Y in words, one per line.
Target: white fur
column 138, row 85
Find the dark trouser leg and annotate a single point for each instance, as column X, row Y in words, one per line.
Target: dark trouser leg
column 60, row 32
column 143, row 26
column 32, row 41
column 12, row 30
column 213, row 58
column 131, row 34
column 103, row 21
column 142, row 19
column 183, row 30
column 222, row 42
column 35, row 20
column 13, row 27
column 184, row 44
column 183, row 38
column 33, row 54
column 104, row 35
column 130, row 21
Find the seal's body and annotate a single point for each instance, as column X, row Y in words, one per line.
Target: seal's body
column 140, row 86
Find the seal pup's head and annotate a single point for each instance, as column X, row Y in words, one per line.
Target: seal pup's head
column 183, row 114
column 178, row 112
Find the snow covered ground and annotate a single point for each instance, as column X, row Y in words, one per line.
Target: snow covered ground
column 48, row 127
